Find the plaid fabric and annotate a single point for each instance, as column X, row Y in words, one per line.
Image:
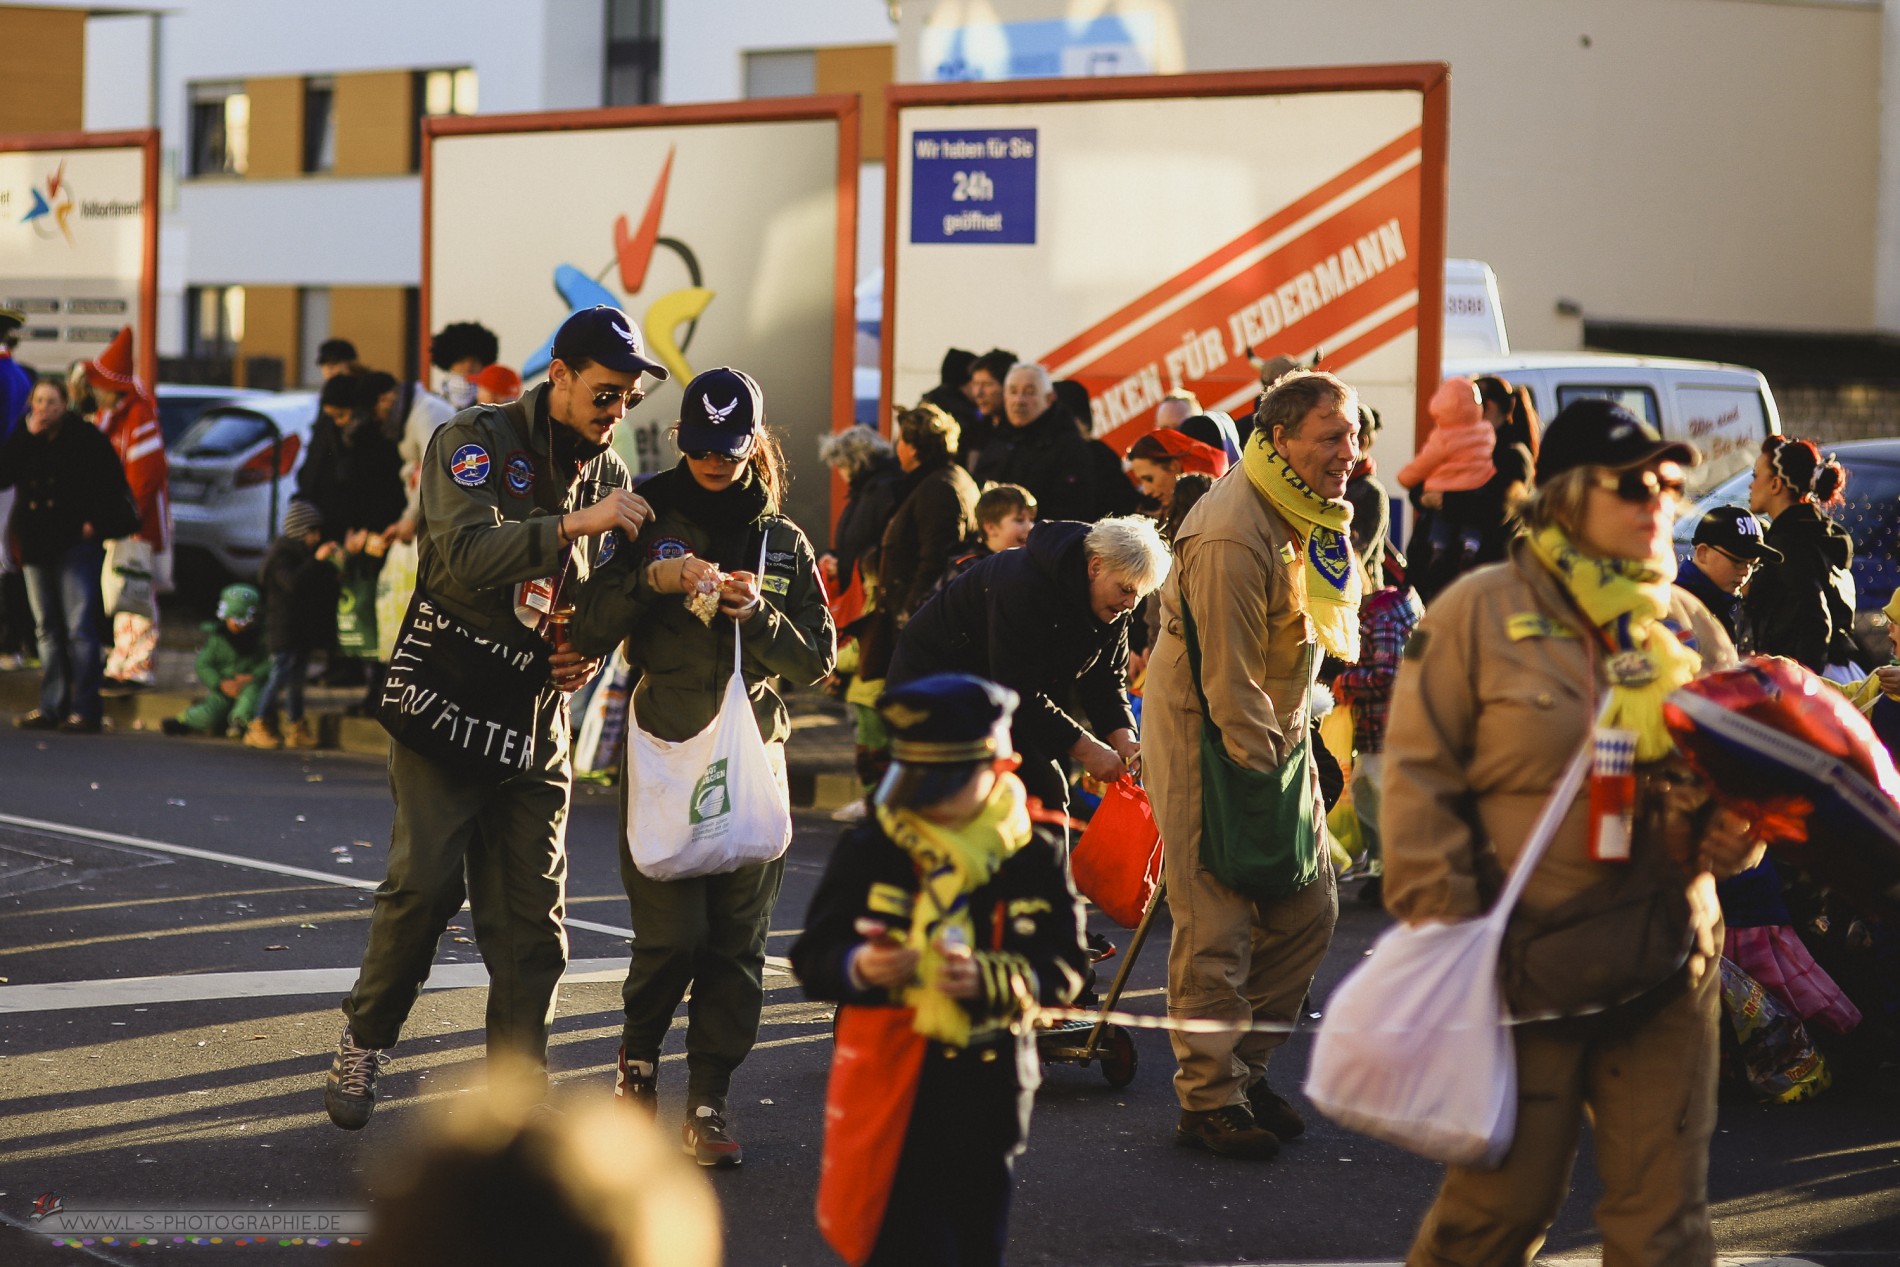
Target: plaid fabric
column 1386, row 620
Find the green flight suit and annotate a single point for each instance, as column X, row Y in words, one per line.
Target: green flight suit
column 491, row 501
column 220, row 660
column 708, row 932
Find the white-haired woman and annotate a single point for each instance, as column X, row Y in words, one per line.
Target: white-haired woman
column 870, row 471
column 1049, row 621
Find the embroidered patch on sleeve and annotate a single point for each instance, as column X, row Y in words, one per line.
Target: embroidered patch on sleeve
column 776, row 584
column 468, row 466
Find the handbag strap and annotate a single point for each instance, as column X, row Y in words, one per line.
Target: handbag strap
column 765, row 537
column 1545, row 827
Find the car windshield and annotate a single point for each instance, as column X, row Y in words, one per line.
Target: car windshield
column 177, row 413
column 224, row 433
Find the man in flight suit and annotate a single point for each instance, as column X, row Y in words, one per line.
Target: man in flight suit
column 511, row 494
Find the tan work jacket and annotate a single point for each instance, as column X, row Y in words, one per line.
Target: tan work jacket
column 1496, row 691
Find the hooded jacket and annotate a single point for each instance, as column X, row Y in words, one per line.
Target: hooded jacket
column 1023, row 618
column 1803, row 607
column 1048, row 457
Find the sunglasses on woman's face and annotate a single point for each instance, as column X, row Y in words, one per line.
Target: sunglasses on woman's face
column 714, row 455
column 1641, row 486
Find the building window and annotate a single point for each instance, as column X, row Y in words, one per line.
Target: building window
column 214, row 322
column 220, row 130
column 319, row 124
column 781, row 73
column 445, row 92
column 633, row 52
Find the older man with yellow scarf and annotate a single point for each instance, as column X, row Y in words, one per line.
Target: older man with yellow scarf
column 1264, row 584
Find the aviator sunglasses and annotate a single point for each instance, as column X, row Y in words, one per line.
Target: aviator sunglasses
column 1641, row 486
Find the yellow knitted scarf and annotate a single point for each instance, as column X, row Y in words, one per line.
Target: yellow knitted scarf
column 952, row 862
column 1626, row 599
column 1333, row 577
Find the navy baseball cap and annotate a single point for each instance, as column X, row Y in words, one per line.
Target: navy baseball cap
column 608, row 337
column 720, row 412
column 1733, row 529
column 1598, row 432
column 942, row 729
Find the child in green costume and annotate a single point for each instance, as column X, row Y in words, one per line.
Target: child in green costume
column 233, row 664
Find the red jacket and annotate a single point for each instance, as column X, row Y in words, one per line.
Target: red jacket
column 132, row 426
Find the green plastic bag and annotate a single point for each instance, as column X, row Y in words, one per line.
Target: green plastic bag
column 356, row 607
column 1259, row 829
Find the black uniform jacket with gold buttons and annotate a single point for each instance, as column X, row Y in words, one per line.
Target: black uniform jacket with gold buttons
column 1026, row 926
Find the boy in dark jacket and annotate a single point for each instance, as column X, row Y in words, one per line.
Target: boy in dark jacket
column 300, row 591
column 233, row 663
column 951, row 905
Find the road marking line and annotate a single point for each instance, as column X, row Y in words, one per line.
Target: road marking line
column 777, row 962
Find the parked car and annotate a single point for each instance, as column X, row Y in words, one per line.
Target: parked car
column 181, row 404
column 1724, row 410
column 233, row 472
column 1871, row 514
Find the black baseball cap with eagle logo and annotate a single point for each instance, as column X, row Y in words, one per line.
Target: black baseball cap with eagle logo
column 722, row 410
column 605, row 336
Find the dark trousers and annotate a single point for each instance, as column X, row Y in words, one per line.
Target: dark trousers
column 67, row 616
column 707, row 933
column 288, row 669
column 949, row 1203
column 509, row 840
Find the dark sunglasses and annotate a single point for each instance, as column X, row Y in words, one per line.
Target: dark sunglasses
column 715, row 455
column 631, row 397
column 1641, row 486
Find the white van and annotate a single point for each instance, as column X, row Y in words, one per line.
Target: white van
column 1724, row 410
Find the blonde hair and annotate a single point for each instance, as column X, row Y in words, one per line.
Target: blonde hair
column 1558, row 501
column 1130, row 547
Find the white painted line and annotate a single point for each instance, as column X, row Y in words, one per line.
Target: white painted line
column 278, row 868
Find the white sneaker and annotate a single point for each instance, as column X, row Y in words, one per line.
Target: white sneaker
column 855, row 812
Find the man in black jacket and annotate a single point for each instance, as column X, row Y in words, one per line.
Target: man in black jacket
column 1040, row 448
column 1049, row 621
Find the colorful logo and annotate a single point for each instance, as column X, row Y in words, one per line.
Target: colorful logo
column 518, row 472
column 710, row 799
column 669, row 548
column 46, row 1205
column 670, row 319
column 609, row 542
column 469, row 466
column 52, row 210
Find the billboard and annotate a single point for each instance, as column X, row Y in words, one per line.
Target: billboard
column 79, row 244
column 1147, row 235
column 727, row 231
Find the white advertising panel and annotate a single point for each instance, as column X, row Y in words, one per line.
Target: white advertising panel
column 720, row 238
column 1164, row 240
column 75, row 233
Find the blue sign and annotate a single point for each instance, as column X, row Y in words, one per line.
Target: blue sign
column 973, row 187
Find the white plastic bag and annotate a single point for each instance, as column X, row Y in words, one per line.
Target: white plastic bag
column 712, row 803
column 1415, row 1048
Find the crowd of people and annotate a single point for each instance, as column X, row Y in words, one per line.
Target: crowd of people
column 1025, row 616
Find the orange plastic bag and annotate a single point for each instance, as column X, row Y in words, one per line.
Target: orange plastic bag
column 875, row 1064
column 848, row 603
column 1117, row 863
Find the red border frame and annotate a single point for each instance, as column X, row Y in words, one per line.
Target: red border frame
column 1432, row 80
column 145, row 139
column 844, row 108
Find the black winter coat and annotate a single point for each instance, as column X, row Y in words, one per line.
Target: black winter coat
column 299, row 598
column 1048, row 457
column 936, row 512
column 1799, row 607
column 870, row 499
column 354, row 476
column 67, row 477
column 1023, row 618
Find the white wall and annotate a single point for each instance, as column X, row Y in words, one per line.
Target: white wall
column 118, row 89
column 703, row 42
column 364, row 231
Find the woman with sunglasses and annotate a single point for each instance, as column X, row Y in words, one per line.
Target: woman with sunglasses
column 716, row 516
column 1504, row 682
column 1803, row 606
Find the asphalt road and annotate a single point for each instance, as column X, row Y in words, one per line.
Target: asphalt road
column 184, row 1067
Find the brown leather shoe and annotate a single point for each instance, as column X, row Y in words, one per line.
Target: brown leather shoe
column 298, row 734
column 1272, row 1112
column 1227, row 1132
column 259, row 735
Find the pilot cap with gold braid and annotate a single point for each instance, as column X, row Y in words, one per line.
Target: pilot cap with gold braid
column 942, row 728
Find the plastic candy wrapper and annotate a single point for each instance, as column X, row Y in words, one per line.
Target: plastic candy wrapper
column 1765, row 1048
column 1787, row 751
column 703, row 602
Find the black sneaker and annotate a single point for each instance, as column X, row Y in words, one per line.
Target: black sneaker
column 1273, row 1113
column 173, row 727
column 350, row 1093
column 1227, row 1132
column 637, row 1084
column 36, row 720
column 77, row 725
column 707, row 1141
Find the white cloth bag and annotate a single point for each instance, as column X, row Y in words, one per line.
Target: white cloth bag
column 712, row 803
column 1416, row 1048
